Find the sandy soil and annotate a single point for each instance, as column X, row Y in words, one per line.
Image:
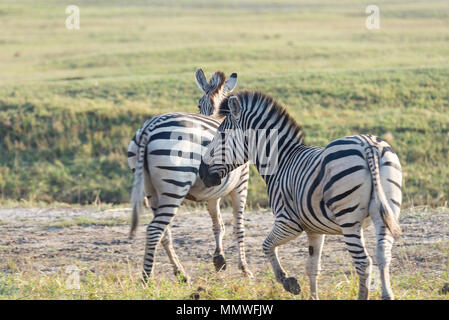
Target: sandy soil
column 36, row 237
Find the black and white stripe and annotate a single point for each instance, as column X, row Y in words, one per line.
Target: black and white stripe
column 331, row 190
column 165, row 155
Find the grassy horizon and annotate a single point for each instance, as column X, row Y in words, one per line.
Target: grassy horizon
column 71, row 100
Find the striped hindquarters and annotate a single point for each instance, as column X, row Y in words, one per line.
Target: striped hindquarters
column 336, row 186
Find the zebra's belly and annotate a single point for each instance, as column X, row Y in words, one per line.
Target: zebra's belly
column 315, row 221
column 326, row 224
column 309, row 209
column 345, row 202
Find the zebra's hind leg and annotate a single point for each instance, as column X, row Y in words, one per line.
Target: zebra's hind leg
column 279, row 235
column 355, row 244
column 383, row 255
column 164, row 214
column 213, row 207
column 313, row 266
column 238, row 197
column 167, row 243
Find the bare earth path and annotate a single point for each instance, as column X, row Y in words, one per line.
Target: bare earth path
column 48, row 239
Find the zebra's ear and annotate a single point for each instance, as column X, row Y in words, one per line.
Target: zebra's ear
column 231, row 82
column 201, row 80
column 234, row 107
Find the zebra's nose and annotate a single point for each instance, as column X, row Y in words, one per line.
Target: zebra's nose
column 204, row 170
column 209, row 179
column 212, row 180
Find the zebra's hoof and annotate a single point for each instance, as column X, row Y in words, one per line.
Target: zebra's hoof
column 363, row 295
column 387, row 297
column 247, row 273
column 219, row 263
column 145, row 280
column 291, row 285
column 183, row 278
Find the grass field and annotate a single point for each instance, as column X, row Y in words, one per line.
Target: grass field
column 71, row 100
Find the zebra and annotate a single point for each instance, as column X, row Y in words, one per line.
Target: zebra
column 330, row 190
column 166, row 170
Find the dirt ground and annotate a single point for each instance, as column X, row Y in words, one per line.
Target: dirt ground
column 49, row 239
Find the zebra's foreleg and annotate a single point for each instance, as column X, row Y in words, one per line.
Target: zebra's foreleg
column 355, row 244
column 167, row 243
column 313, row 266
column 279, row 235
column 213, row 207
column 238, row 204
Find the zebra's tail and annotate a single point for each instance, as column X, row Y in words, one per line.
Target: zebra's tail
column 386, row 213
column 138, row 190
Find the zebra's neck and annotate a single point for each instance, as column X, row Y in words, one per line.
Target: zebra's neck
column 276, row 153
column 273, row 140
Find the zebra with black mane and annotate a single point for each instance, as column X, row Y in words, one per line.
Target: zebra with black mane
column 338, row 189
column 165, row 155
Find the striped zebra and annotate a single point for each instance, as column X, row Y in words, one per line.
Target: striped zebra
column 331, row 190
column 165, row 155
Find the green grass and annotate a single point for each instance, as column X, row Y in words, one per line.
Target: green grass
column 71, row 100
column 119, row 281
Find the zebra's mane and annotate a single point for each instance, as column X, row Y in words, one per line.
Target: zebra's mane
column 262, row 101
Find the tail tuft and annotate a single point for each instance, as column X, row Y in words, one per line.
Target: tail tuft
column 134, row 222
column 138, row 191
column 386, row 213
column 390, row 221
column 136, row 202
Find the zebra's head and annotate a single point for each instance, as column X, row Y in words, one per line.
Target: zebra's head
column 228, row 149
column 214, row 91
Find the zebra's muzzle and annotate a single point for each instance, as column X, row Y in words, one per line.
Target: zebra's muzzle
column 209, row 179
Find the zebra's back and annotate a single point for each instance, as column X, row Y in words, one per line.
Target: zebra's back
column 173, row 155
